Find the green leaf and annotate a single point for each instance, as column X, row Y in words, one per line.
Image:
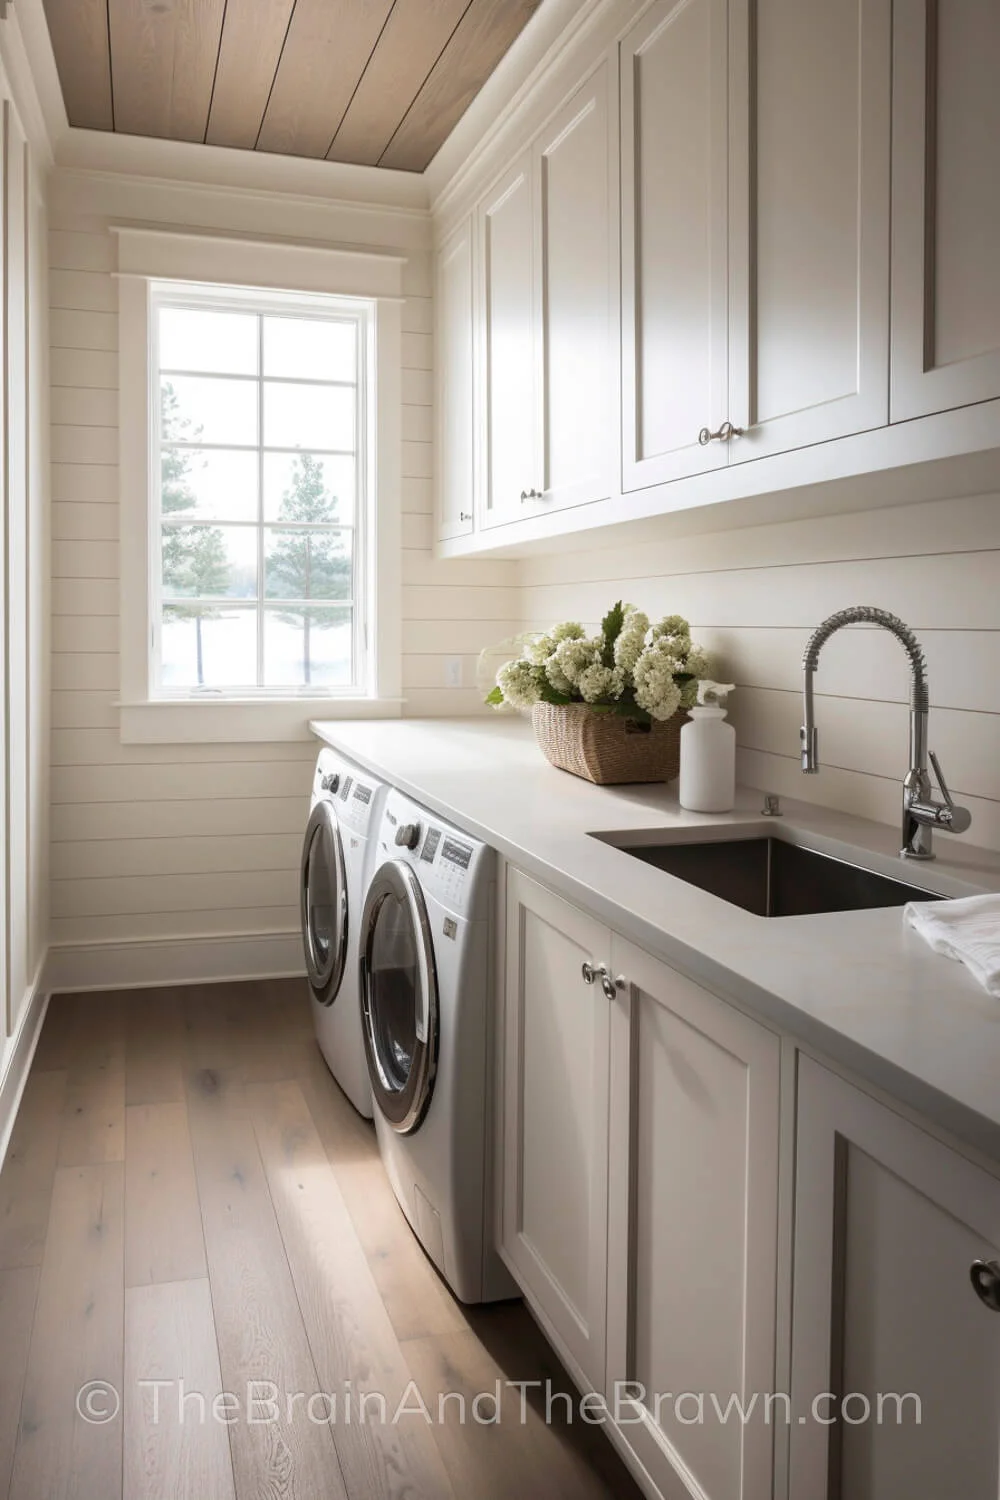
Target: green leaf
column 549, row 694
column 494, row 696
column 611, row 629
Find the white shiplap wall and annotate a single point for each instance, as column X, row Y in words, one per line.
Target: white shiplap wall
column 753, row 597
column 171, row 841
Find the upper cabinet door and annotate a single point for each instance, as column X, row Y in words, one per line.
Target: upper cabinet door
column 674, row 240
column 575, row 198
column 692, row 1243
column 511, row 466
column 809, row 225
column 456, row 415
column 946, row 206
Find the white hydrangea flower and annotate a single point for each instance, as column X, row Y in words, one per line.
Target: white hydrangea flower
column 599, row 682
column 518, row 681
column 630, row 643
column 698, row 662
column 557, row 677
column 573, row 656
column 655, row 688
column 569, row 630
column 674, row 625
column 541, row 648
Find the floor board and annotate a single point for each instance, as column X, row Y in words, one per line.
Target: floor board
column 189, row 1199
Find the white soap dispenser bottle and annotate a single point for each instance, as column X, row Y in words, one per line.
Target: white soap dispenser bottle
column 708, row 753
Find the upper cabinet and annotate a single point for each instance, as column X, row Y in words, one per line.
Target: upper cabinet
column 674, row 240
column 546, row 241
column 456, row 407
column 945, row 205
column 756, row 230
column 809, row 133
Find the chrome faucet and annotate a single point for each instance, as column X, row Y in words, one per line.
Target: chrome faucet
column 921, row 814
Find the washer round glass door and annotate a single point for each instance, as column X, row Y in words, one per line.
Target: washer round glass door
column 399, row 999
column 323, row 897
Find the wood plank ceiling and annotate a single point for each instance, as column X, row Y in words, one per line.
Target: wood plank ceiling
column 376, row 82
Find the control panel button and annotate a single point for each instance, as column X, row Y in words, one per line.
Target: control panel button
column 408, row 835
column 331, row 782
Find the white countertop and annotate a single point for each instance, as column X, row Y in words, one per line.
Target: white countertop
column 858, row 987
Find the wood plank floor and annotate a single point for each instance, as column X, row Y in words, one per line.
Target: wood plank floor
column 195, row 1228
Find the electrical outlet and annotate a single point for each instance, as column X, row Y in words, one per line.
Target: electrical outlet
column 453, row 671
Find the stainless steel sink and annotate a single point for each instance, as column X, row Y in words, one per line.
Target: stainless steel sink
column 770, row 876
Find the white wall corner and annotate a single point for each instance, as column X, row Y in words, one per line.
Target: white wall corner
column 19, row 1053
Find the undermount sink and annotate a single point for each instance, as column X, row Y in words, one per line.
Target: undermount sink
column 770, row 876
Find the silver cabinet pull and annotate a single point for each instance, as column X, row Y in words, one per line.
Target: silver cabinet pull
column 985, row 1278
column 530, row 495
column 465, row 515
column 592, row 973
column 723, row 435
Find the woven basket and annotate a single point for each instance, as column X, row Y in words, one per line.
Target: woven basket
column 606, row 748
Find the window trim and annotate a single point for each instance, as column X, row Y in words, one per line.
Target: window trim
column 270, row 272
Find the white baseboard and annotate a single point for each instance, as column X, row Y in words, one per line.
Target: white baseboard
column 18, row 1060
column 143, row 963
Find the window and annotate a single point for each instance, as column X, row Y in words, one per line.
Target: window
column 259, row 489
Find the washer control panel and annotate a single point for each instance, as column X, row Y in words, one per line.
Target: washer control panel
column 353, row 793
column 447, row 863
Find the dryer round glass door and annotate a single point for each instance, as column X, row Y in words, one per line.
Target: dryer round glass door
column 399, row 1000
column 323, row 896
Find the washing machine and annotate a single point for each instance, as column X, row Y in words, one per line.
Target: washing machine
column 425, row 969
column 344, row 817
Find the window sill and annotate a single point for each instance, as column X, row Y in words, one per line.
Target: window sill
column 234, row 721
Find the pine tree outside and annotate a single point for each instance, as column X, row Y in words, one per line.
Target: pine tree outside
column 303, row 564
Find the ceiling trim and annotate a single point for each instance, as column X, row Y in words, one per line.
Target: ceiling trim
column 30, row 65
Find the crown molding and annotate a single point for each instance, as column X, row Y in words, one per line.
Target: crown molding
column 28, row 61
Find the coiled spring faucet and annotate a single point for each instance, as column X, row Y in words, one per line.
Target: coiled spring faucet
column 921, row 814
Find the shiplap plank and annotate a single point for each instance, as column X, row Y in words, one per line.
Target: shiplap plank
column 85, row 596
column 85, row 559
column 424, row 570
column 444, row 703
column 418, row 351
column 439, row 637
column 252, row 38
column 163, row 64
column 182, row 782
column 417, row 494
column 417, row 424
column 82, row 710
column 418, row 388
column 79, row 32
column 86, row 291
column 70, row 329
column 103, row 747
column 197, row 854
column 71, row 250
column 411, row 43
column 85, row 674
column 84, row 445
column 98, row 821
column 417, row 460
column 429, row 672
column 326, row 50
column 84, row 407
column 153, row 925
column 92, row 484
column 82, row 521
column 417, row 532
column 477, row 44
column 161, row 893
column 444, row 602
column 418, row 315
column 84, row 368
column 75, row 635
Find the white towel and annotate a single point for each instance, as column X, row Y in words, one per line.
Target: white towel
column 967, row 930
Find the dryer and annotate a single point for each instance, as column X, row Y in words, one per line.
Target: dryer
column 344, row 816
column 425, row 970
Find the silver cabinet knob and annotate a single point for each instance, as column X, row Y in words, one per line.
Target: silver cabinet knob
column 985, row 1278
column 721, row 435
column 589, row 972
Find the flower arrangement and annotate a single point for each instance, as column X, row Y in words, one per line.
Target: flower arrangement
column 643, row 672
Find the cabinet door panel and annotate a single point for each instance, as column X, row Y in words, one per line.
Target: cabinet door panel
column 456, row 370
column 693, row 1237
column 506, row 238
column 888, row 1223
column 574, row 198
column 674, row 298
column 809, row 227
column 554, row 1217
column 946, row 205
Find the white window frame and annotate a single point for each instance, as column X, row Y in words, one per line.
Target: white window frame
column 162, row 266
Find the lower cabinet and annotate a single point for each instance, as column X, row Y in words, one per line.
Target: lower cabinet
column 554, row 1224
column 890, row 1229
column 639, row 1204
column 692, row 1244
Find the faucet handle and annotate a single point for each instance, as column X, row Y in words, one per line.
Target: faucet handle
column 948, row 798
